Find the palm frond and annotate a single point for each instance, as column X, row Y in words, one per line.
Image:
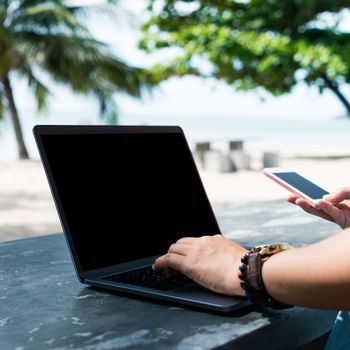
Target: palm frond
column 79, row 62
column 49, row 35
column 104, row 7
column 47, row 17
column 108, row 107
column 23, row 4
column 41, row 93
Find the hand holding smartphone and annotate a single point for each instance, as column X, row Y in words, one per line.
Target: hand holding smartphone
column 296, row 183
column 336, row 208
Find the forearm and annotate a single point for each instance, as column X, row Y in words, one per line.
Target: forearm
column 316, row 276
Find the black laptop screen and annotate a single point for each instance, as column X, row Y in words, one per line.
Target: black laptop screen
column 127, row 196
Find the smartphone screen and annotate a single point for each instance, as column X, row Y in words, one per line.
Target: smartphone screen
column 301, row 184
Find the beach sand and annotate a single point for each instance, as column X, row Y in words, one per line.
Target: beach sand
column 27, row 209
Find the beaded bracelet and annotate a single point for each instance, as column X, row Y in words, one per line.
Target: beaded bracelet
column 250, row 274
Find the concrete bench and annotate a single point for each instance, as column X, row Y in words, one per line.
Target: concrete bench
column 230, row 158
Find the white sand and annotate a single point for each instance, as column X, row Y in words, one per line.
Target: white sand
column 27, row 209
column 26, row 206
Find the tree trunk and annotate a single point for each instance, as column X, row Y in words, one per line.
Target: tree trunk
column 22, row 150
column 333, row 86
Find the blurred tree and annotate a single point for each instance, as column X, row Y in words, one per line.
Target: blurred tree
column 49, row 36
column 249, row 44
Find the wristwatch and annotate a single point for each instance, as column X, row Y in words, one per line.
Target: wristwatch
column 250, row 274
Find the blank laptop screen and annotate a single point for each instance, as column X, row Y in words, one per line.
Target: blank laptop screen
column 127, row 196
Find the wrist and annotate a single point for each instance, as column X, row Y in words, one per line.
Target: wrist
column 251, row 274
column 232, row 282
column 278, row 272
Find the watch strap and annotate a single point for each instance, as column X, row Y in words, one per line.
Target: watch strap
column 252, row 282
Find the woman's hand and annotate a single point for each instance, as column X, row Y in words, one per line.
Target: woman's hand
column 334, row 207
column 211, row 261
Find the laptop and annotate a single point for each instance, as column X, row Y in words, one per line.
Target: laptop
column 124, row 194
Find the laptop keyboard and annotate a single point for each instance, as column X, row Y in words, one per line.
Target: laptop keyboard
column 146, row 277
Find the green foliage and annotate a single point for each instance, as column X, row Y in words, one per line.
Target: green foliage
column 271, row 44
column 50, row 36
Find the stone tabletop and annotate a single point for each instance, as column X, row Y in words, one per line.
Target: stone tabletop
column 43, row 306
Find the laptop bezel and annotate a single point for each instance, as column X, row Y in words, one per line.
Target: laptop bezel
column 40, row 130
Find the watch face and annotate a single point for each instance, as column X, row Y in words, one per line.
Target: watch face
column 270, row 249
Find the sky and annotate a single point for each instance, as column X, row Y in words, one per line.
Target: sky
column 189, row 96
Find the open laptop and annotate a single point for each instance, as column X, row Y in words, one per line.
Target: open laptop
column 124, row 194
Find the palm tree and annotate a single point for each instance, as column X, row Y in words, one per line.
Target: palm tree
column 49, row 36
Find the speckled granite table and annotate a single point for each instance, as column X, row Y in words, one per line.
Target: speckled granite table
column 43, row 306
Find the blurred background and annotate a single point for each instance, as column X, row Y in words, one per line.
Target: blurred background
column 253, row 83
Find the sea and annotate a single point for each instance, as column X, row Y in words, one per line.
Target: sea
column 301, row 136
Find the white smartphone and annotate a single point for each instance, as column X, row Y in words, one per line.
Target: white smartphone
column 296, row 183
